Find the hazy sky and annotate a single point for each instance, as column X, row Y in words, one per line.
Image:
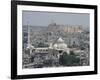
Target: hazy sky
column 45, row 18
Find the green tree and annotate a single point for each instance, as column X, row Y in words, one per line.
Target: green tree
column 68, row 59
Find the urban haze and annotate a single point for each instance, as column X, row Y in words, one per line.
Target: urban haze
column 55, row 39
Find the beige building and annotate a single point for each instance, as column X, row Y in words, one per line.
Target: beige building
column 65, row 28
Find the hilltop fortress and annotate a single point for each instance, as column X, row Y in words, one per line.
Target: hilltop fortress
column 65, row 28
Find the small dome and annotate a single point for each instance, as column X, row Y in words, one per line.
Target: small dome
column 55, row 46
column 30, row 46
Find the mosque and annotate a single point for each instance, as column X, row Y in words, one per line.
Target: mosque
column 58, row 45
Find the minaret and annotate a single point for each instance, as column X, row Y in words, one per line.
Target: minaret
column 29, row 43
column 28, row 36
column 29, row 46
column 28, row 31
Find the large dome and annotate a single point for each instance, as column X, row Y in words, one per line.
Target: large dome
column 59, row 44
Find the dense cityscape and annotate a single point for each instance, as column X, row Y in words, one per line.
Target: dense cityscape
column 55, row 45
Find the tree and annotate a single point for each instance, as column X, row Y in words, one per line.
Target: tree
column 68, row 60
column 72, row 53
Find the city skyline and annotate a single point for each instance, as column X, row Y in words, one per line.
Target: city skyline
column 36, row 18
column 55, row 39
